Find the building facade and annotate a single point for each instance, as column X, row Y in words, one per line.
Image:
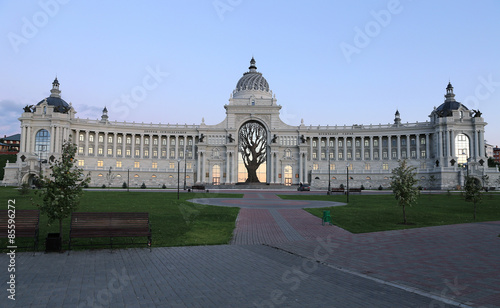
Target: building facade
column 443, row 148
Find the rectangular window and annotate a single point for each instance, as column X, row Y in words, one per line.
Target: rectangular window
column 349, row 155
column 172, row 141
column 350, row 167
column 154, row 165
column 413, row 154
column 394, row 154
column 172, row 153
column 358, row 143
column 82, row 138
column 119, row 139
column 332, row 166
column 127, row 152
column 118, row 164
column 110, row 139
column 375, row 155
column 189, row 166
column 348, row 143
column 110, row 152
column 81, row 163
column 323, row 143
column 181, row 154
column 358, row 155
column 403, row 142
column 190, row 141
column 323, row 155
column 412, row 141
column 155, row 153
column 163, row 153
column 314, row 155
column 385, row 166
column 181, row 142
column 119, row 152
column 422, row 154
column 403, row 154
column 315, row 167
column 341, row 155
column 332, row 155
column 146, row 152
column 80, row 150
column 137, row 164
column 367, row 167
column 423, row 165
column 137, row 153
column 367, row 155
column 100, row 151
column 91, row 151
column 100, row 163
column 171, row 165
column 384, row 155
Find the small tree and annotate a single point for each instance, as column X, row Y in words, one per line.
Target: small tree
column 432, row 181
column 124, row 185
column 62, row 189
column 472, row 191
column 403, row 185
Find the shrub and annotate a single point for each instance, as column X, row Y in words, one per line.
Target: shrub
column 164, row 186
column 103, row 186
column 380, row 187
column 341, row 186
column 124, row 185
column 24, row 189
column 362, row 187
column 143, row 186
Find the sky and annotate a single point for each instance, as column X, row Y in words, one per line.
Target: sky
column 328, row 62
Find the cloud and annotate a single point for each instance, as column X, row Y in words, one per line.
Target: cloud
column 84, row 111
column 10, row 111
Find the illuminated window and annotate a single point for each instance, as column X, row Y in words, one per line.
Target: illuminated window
column 119, row 139
column 385, row 166
column 315, row 166
column 91, row 138
column 118, row 164
column 137, row 164
column 154, row 165
column 367, row 167
column 119, row 152
column 80, row 150
column 137, row 140
column 127, row 152
column 100, row 163
column 110, row 151
column 110, row 139
column 136, row 175
column 82, row 138
column 129, row 140
column 332, row 166
column 42, row 144
column 81, row 162
column 146, row 140
column 171, row 165
column 101, row 138
column 91, row 151
column 155, row 141
column 462, row 148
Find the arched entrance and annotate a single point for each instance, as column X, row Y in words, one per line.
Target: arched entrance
column 252, row 152
column 288, row 175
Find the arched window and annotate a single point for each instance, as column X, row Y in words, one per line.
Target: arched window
column 288, row 175
column 216, row 175
column 42, row 144
column 462, row 148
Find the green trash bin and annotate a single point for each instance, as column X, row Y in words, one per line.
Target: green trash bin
column 327, row 218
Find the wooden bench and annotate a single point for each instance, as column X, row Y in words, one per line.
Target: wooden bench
column 340, row 190
column 198, row 187
column 104, row 224
column 26, row 225
column 355, row 190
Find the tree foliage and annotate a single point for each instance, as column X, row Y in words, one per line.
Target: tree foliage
column 472, row 191
column 252, row 146
column 404, row 185
column 63, row 187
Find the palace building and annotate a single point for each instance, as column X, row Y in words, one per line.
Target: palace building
column 444, row 148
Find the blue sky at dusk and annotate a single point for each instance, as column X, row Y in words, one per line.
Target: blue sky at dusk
column 328, row 62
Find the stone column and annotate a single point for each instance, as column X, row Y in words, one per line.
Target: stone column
column 371, row 148
column 133, row 145
column 141, row 147
column 379, row 147
column 86, row 152
column 408, row 156
column 417, row 145
column 198, row 166
column 105, row 151
column 336, row 156
column 115, row 143
column 176, row 147
column 427, row 147
column 345, row 148
column 398, row 138
column 389, row 147
column 96, row 143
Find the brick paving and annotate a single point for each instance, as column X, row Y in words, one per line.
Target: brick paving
column 279, row 257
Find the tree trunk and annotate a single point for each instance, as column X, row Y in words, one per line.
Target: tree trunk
column 404, row 215
column 252, row 175
column 60, row 229
column 474, row 210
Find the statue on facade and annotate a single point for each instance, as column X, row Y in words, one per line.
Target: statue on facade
column 28, row 108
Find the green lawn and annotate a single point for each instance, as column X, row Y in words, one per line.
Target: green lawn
column 174, row 222
column 369, row 213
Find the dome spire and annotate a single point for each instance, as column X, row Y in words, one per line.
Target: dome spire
column 252, row 67
column 55, row 92
column 450, row 96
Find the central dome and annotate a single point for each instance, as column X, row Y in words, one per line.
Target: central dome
column 252, row 81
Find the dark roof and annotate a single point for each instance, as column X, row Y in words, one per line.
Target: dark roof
column 446, row 108
column 59, row 104
column 16, row 137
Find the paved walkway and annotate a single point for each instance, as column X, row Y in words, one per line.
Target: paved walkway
column 280, row 257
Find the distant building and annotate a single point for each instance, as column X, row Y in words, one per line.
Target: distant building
column 10, row 144
column 444, row 148
column 496, row 154
column 489, row 150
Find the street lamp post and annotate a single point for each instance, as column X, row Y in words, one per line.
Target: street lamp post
column 128, row 179
column 178, row 177
column 347, row 191
column 329, row 170
column 185, row 164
